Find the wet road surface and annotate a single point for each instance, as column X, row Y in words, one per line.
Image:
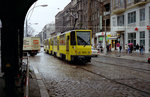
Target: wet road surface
column 102, row 77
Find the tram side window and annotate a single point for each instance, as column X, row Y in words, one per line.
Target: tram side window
column 62, row 40
column 73, row 39
column 55, row 41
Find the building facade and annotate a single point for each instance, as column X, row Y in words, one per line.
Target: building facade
column 130, row 22
column 85, row 14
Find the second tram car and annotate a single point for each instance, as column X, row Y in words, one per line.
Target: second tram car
column 71, row 45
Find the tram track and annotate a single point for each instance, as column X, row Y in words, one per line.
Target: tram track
column 114, row 81
column 129, row 67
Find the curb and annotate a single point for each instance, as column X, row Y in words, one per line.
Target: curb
column 120, row 57
column 41, row 85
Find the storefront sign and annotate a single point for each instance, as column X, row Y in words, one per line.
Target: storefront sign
column 101, row 38
column 108, row 35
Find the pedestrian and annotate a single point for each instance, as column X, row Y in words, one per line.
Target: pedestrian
column 118, row 45
column 141, row 49
column 101, row 49
column 98, row 46
column 120, row 48
column 137, row 48
column 126, row 48
column 109, row 47
column 131, row 48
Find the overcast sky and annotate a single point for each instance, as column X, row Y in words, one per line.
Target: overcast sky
column 45, row 15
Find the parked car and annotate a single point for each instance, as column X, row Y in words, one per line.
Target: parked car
column 95, row 52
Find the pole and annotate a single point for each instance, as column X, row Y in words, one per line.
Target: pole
column 104, row 9
column 28, row 14
column 105, row 45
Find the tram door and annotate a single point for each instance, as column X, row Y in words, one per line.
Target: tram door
column 67, row 48
column 57, row 45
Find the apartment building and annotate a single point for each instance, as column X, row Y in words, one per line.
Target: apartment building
column 89, row 14
column 101, row 22
column 64, row 20
column 130, row 22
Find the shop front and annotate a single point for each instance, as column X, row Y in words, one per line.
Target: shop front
column 101, row 39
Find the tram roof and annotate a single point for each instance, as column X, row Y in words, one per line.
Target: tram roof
column 69, row 32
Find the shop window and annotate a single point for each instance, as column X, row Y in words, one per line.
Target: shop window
column 142, row 38
column 132, row 38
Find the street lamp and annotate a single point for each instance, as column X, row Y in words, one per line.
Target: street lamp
column 28, row 14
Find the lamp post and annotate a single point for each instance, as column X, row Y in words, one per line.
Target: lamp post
column 28, row 14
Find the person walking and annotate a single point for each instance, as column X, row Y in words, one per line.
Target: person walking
column 141, row 49
column 120, row 48
column 101, row 48
column 126, row 48
column 118, row 45
column 107, row 48
column 131, row 48
column 137, row 48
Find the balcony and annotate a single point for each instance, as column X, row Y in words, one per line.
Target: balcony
column 118, row 9
column 139, row 2
column 119, row 28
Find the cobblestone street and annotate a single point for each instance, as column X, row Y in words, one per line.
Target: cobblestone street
column 102, row 77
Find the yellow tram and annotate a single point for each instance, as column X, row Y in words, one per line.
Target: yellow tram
column 46, row 42
column 71, row 45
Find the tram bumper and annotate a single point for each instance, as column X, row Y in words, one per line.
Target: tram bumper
column 81, row 58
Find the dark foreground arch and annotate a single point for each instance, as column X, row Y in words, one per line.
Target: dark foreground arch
column 12, row 15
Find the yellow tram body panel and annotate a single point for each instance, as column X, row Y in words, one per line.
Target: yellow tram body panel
column 50, row 45
column 46, row 42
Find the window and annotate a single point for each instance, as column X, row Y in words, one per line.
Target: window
column 73, row 39
column 115, row 3
column 120, row 20
column 62, row 39
column 83, row 38
column 114, row 21
column 132, row 17
column 142, row 38
column 132, row 38
column 55, row 41
column 129, row 1
column 121, row 3
column 142, row 14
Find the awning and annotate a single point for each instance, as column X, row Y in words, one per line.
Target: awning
column 112, row 38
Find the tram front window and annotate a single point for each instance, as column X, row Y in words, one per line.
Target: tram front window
column 83, row 38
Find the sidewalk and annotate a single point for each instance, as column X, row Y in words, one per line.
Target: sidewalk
column 133, row 56
column 34, row 90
